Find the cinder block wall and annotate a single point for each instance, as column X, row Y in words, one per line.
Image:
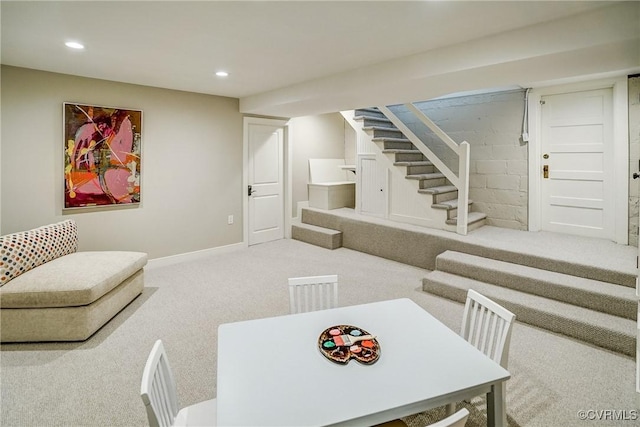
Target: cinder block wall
column 492, row 125
column 634, row 157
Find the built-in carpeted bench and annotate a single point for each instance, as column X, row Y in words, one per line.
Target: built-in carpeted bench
column 329, row 186
column 51, row 292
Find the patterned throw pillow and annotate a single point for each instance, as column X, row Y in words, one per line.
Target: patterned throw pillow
column 20, row 252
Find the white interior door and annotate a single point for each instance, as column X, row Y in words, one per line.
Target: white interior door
column 266, row 182
column 638, row 321
column 577, row 151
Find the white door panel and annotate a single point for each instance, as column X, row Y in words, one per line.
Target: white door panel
column 577, row 140
column 266, row 176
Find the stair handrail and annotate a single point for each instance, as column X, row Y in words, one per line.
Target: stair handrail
column 434, row 127
column 460, row 181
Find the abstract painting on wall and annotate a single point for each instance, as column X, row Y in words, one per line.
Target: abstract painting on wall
column 102, row 155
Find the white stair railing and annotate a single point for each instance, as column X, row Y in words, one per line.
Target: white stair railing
column 461, row 180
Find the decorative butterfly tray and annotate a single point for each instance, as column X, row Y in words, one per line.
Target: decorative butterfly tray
column 342, row 343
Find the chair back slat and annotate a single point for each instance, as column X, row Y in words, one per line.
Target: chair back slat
column 492, row 335
column 313, row 293
column 487, row 326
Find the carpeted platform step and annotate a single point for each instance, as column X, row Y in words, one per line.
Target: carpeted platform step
column 319, row 236
column 593, row 294
column 604, row 330
column 420, row 246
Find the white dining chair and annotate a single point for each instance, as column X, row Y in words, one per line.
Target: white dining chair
column 159, row 394
column 313, row 293
column 487, row 326
column 459, row 419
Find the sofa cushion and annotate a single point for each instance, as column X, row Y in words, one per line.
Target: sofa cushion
column 23, row 251
column 76, row 279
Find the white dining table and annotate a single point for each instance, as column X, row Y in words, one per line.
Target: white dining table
column 272, row 373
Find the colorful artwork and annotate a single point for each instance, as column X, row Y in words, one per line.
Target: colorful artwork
column 101, row 156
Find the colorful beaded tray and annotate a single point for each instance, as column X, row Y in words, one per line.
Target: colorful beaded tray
column 342, row 343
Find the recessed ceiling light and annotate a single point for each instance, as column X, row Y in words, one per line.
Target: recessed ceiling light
column 74, row 45
column 222, row 74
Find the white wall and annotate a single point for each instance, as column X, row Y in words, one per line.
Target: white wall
column 191, row 167
column 314, row 137
column 350, row 144
column 0, row 160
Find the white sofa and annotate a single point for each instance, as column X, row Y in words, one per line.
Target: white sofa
column 51, row 292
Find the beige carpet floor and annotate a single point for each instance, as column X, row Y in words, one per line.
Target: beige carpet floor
column 97, row 382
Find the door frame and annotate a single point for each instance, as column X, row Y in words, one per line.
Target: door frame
column 287, row 173
column 620, row 149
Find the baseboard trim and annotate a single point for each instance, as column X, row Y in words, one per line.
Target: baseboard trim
column 191, row 256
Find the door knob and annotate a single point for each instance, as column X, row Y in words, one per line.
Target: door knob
column 545, row 171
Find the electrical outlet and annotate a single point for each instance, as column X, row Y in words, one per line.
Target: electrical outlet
column 230, row 220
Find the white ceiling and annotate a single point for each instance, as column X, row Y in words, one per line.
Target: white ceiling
column 268, row 47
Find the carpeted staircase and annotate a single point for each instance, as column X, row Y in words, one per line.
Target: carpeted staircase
column 431, row 182
column 591, row 303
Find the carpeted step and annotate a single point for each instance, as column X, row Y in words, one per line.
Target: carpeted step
column 421, row 176
column 412, row 170
column 474, row 220
column 369, row 112
column 319, row 236
column 389, row 143
column 451, row 206
column 600, row 329
column 390, row 139
column 416, row 163
column 419, row 167
column 372, row 120
column 593, row 294
column 427, row 180
column 401, row 151
column 383, row 131
column 441, row 193
column 413, row 156
column 395, row 144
